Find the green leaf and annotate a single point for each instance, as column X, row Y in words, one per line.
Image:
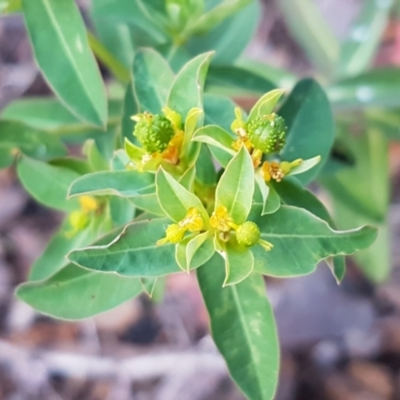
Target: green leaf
column 236, row 187
column 48, row 114
column 236, row 80
column 311, row 32
column 219, row 111
column 375, row 261
column 47, row 184
column 114, row 35
column 42, row 113
column 214, row 17
column 379, row 87
column 292, row 193
column 215, row 136
column 121, row 209
column 305, row 166
column 15, row 137
column 278, row 76
column 128, row 11
column 311, row 131
column 95, row 159
column 205, row 168
column 194, row 251
column 133, row 253
column 174, row 199
column 365, row 186
column 107, row 58
column 239, row 263
column 152, row 79
column 187, row 88
column 366, row 32
column 6, row 156
column 78, row 165
column 77, row 293
column 243, row 328
column 187, row 179
column 148, row 202
column 270, row 200
column 266, row 104
column 119, row 183
column 53, row 258
column 63, row 46
column 225, row 40
column 130, row 108
column 301, row 240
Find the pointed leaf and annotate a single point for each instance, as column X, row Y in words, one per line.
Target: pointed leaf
column 266, row 104
column 192, row 252
column 243, row 328
column 63, row 46
column 133, row 253
column 301, row 240
column 236, row 187
column 239, row 263
column 305, row 166
column 266, row 195
column 174, row 199
column 77, row 293
column 120, row 183
column 215, row 136
column 187, row 88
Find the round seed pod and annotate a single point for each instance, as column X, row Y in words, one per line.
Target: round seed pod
column 267, row 133
column 154, row 132
column 248, row 234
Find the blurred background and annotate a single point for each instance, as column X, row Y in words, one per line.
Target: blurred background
column 338, row 342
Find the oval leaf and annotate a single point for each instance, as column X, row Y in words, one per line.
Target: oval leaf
column 77, row 293
column 243, row 328
column 133, row 253
column 187, row 88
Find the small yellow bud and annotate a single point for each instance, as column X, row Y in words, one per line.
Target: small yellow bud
column 88, row 203
column 173, row 234
column 78, row 220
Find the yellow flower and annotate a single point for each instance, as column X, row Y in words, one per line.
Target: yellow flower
column 221, row 220
column 277, row 171
column 88, row 204
column 173, row 234
column 193, row 222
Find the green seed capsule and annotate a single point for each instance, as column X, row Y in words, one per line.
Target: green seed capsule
column 267, row 133
column 154, row 132
column 248, row 234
